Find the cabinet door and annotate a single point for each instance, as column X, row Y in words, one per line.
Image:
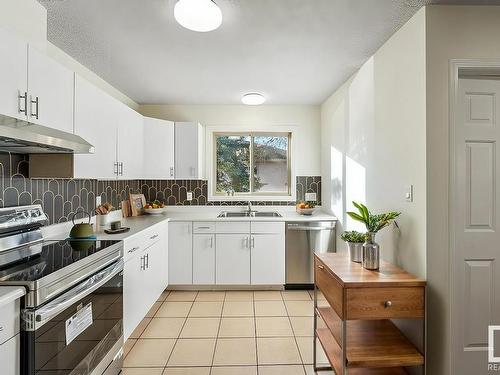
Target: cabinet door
column 95, row 121
column 268, row 259
column 13, row 77
column 51, row 88
column 155, row 280
column 10, row 356
column 204, row 259
column 232, row 265
column 134, row 306
column 188, row 151
column 158, row 149
column 129, row 142
column 180, row 253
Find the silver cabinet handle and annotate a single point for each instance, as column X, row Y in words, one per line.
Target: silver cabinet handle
column 36, row 103
column 203, row 228
column 246, row 242
column 22, row 98
column 171, row 171
column 1, row 328
column 120, row 168
column 82, row 290
column 115, row 169
column 252, row 243
column 211, row 242
column 146, row 261
column 153, row 237
column 133, row 249
column 143, row 263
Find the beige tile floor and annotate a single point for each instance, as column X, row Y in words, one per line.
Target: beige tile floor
column 225, row 333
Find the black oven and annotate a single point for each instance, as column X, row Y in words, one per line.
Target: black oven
column 79, row 332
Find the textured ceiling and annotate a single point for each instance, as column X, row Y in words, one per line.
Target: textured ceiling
column 292, row 51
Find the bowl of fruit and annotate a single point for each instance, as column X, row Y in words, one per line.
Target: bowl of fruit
column 305, row 208
column 155, row 208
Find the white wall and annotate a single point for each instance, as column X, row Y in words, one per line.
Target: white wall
column 453, row 32
column 373, row 143
column 306, row 118
column 28, row 18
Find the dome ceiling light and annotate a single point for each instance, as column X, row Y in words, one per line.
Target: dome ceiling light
column 253, row 98
column 198, row 15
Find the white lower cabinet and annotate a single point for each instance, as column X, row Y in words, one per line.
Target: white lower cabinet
column 180, row 253
column 232, row 259
column 10, row 352
column 203, row 259
column 268, row 259
column 144, row 275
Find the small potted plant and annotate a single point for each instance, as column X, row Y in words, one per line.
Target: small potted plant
column 354, row 241
column 373, row 223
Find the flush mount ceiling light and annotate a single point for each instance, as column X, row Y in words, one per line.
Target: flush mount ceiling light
column 198, row 15
column 253, row 98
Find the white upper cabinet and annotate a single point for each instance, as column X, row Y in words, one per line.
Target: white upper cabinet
column 95, row 121
column 50, row 92
column 158, row 149
column 189, row 151
column 129, row 142
column 13, row 78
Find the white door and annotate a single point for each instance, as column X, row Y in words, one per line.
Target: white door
column 186, row 150
column 180, row 253
column 203, row 259
column 232, row 264
column 129, row 142
column 158, row 149
column 95, row 121
column 268, row 259
column 133, row 294
column 13, row 77
column 51, row 91
column 475, row 220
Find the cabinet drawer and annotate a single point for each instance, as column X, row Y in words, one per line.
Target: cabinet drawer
column 203, row 227
column 268, row 227
column 384, row 303
column 153, row 235
column 330, row 287
column 133, row 246
column 9, row 320
column 233, row 227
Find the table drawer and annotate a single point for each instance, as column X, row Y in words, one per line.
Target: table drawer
column 203, row 227
column 330, row 287
column 9, row 320
column 384, row 303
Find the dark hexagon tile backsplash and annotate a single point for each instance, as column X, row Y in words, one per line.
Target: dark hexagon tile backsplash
column 61, row 198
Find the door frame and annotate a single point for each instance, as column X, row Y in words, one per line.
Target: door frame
column 478, row 67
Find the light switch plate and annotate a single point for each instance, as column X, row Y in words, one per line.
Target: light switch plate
column 98, row 201
column 189, row 195
column 311, row 197
column 409, row 193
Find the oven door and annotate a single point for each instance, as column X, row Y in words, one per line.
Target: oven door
column 79, row 332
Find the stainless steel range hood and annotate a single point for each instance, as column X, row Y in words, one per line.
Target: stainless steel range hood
column 23, row 137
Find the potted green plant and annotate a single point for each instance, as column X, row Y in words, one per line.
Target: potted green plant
column 354, row 241
column 373, row 224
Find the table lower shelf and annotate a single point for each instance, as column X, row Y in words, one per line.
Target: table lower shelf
column 370, row 344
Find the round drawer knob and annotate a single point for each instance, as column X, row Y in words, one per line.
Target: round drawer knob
column 387, row 304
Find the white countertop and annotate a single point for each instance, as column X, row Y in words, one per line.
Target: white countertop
column 9, row 294
column 193, row 213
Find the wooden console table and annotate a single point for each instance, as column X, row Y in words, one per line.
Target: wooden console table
column 361, row 304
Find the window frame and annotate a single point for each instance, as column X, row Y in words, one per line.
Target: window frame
column 277, row 130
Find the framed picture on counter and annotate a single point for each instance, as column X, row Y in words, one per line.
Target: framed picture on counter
column 137, row 203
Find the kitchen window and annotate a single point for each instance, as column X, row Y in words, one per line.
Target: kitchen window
column 252, row 164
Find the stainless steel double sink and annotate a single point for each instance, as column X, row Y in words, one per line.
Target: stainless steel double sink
column 229, row 214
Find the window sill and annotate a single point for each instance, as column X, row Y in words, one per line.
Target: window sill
column 252, row 198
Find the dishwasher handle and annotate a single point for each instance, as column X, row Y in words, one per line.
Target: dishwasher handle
column 306, row 228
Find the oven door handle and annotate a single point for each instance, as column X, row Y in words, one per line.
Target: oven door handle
column 82, row 290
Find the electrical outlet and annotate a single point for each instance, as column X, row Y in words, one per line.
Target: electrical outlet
column 311, row 197
column 409, row 193
column 189, row 195
column 98, row 201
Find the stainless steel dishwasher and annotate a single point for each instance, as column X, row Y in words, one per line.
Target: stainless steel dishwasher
column 302, row 240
